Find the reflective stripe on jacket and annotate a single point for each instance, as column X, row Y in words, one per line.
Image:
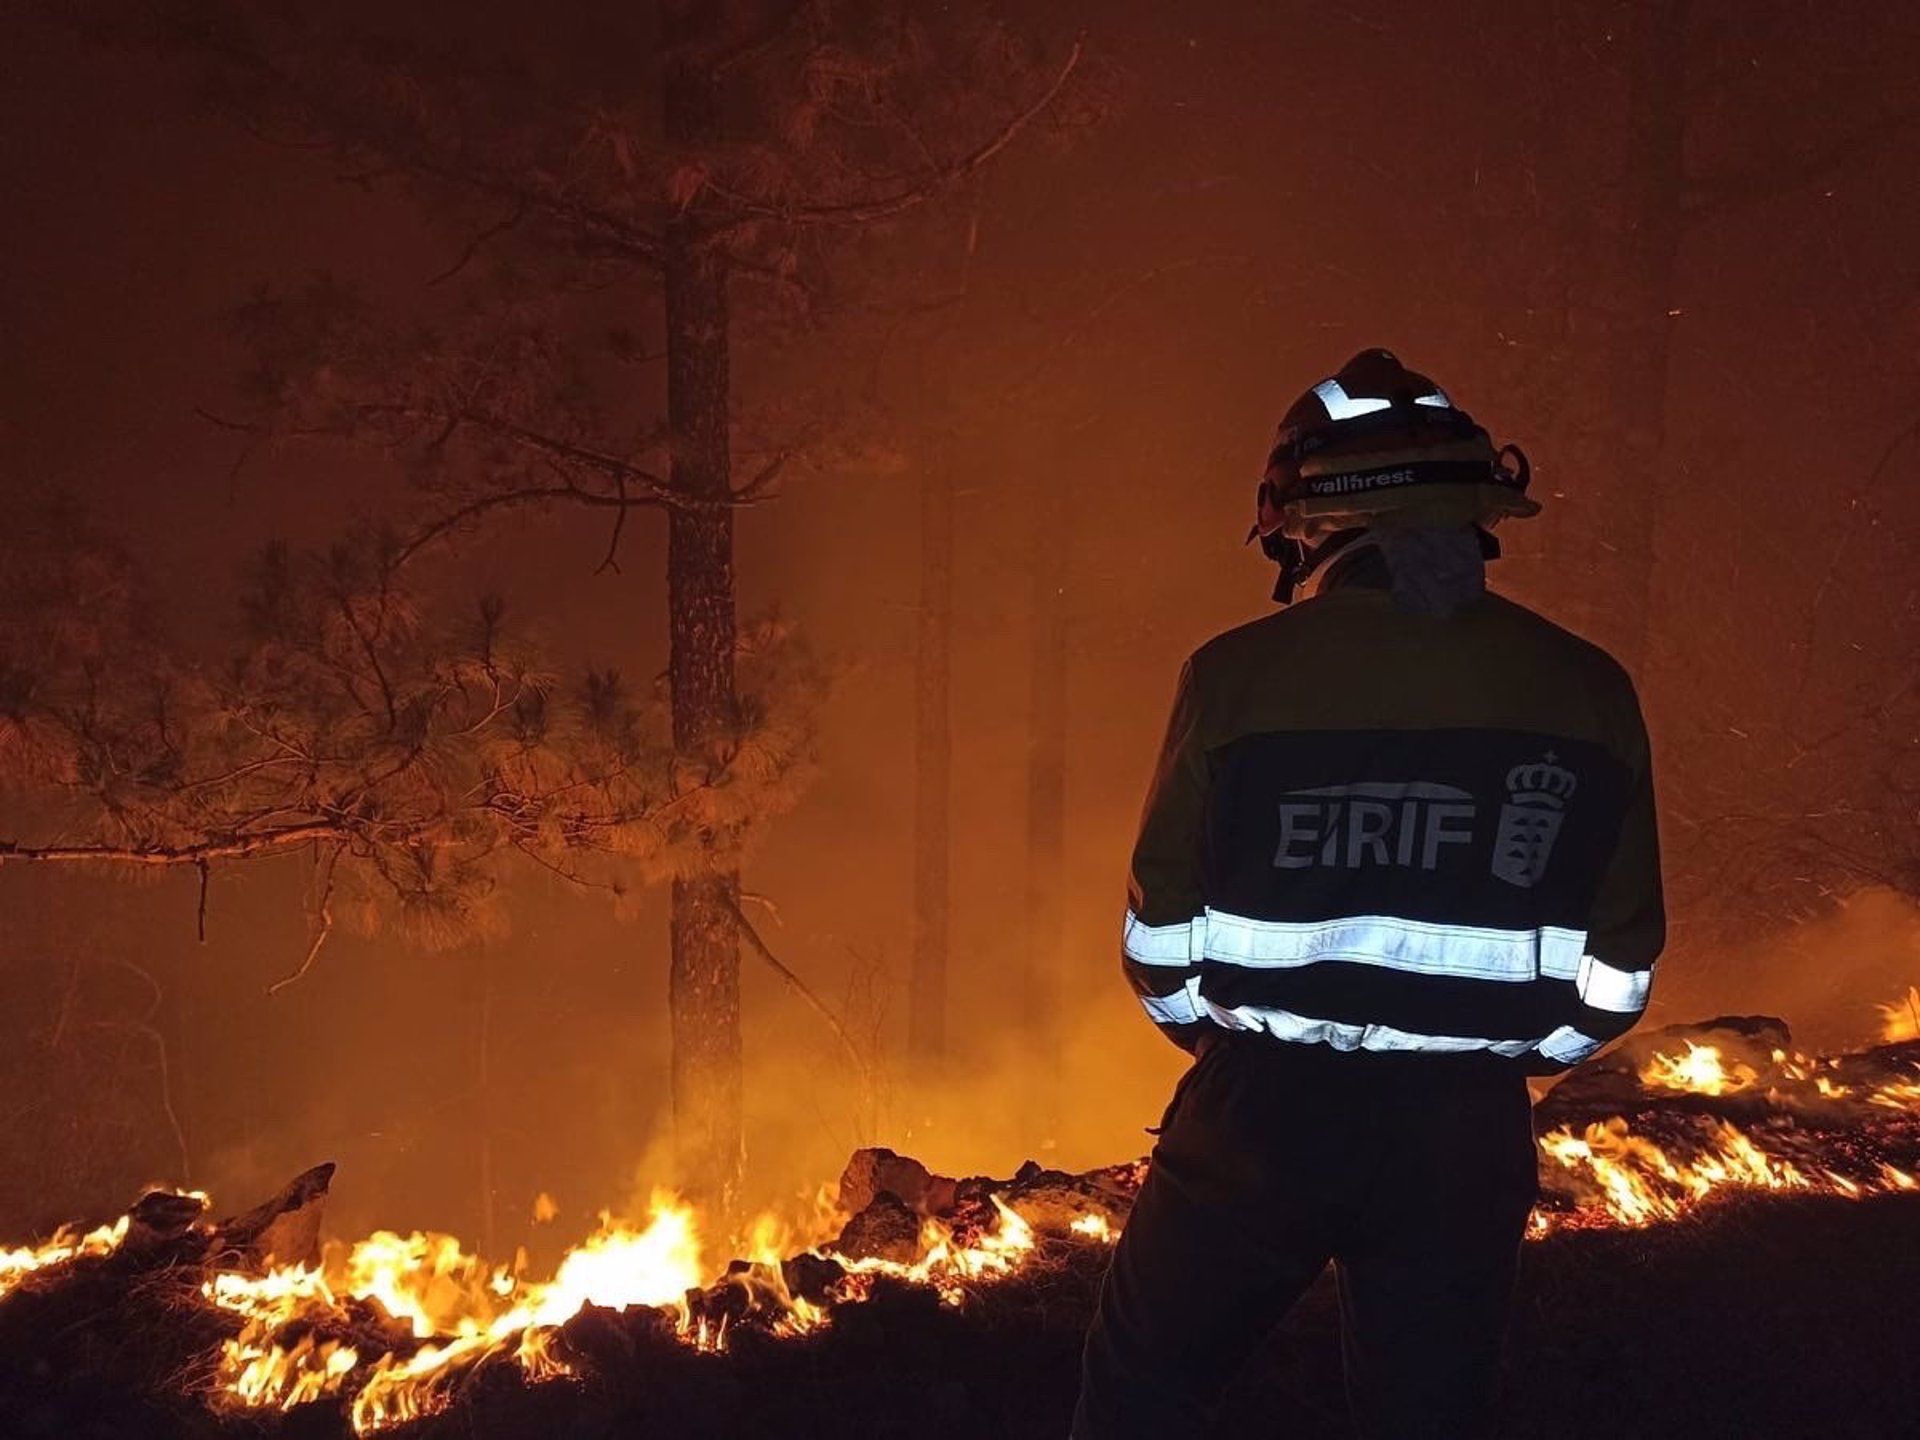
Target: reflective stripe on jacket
column 1396, row 832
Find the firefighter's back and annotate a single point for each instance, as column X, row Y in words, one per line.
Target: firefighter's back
column 1404, row 833
column 1399, row 852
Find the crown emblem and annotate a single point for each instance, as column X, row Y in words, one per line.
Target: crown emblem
column 1538, row 791
column 1541, row 782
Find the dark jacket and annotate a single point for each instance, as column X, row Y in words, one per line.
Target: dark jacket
column 1386, row 831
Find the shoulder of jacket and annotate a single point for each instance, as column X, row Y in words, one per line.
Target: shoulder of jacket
column 1231, row 646
column 1596, row 661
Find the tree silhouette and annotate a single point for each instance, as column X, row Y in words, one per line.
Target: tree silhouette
column 695, row 172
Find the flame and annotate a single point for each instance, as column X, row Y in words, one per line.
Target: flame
column 1094, row 1227
column 1901, row 1020
column 1642, row 1183
column 616, row 1266
column 67, row 1244
column 1700, row 1071
column 281, row 1377
column 390, row 1325
column 463, row 1310
column 1626, row 1178
column 426, row 1281
column 948, row 1264
column 447, row 1297
column 457, row 1310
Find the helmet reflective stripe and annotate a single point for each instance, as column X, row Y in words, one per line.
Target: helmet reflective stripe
column 1342, row 406
column 1438, row 399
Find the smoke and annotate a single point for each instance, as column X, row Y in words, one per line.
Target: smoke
column 1076, row 1097
column 1827, row 978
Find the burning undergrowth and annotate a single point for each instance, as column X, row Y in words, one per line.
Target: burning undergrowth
column 252, row 1324
column 1677, row 1116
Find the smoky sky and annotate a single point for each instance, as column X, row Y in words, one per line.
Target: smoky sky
column 1267, row 189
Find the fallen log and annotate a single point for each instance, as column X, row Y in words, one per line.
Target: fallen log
column 284, row 1230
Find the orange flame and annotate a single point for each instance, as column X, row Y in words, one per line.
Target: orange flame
column 1700, row 1071
column 463, row 1310
column 1636, row 1181
column 1901, row 1020
column 390, row 1324
column 447, row 1297
column 66, row 1244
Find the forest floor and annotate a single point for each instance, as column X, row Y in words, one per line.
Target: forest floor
column 1761, row 1318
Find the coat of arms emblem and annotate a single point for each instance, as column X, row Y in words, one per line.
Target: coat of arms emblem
column 1537, row 795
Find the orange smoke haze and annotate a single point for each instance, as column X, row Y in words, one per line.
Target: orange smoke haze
column 1147, row 297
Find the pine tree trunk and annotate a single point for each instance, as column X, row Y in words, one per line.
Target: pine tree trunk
column 483, row 1103
column 933, row 771
column 703, row 988
column 1641, row 355
column 1046, row 808
column 703, row 992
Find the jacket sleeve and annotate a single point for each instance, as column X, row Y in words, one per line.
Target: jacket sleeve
column 1166, row 907
column 1628, row 924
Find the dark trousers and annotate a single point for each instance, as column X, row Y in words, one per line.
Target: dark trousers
column 1413, row 1174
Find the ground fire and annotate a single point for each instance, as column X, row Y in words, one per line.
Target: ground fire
column 392, row 1328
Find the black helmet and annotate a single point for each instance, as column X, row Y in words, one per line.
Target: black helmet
column 1378, row 443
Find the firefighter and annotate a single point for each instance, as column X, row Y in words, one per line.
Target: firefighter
column 1398, row 855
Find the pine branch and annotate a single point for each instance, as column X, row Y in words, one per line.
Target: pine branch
column 324, row 913
column 479, row 241
column 347, row 134
column 825, row 1011
column 923, row 188
column 221, row 847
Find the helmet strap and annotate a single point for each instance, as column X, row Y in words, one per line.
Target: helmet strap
column 1334, row 553
column 1300, row 563
column 1305, row 570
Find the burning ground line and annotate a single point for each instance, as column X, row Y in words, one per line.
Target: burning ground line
column 1675, row 1119
column 391, row 1327
column 17, row 1264
column 446, row 1295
